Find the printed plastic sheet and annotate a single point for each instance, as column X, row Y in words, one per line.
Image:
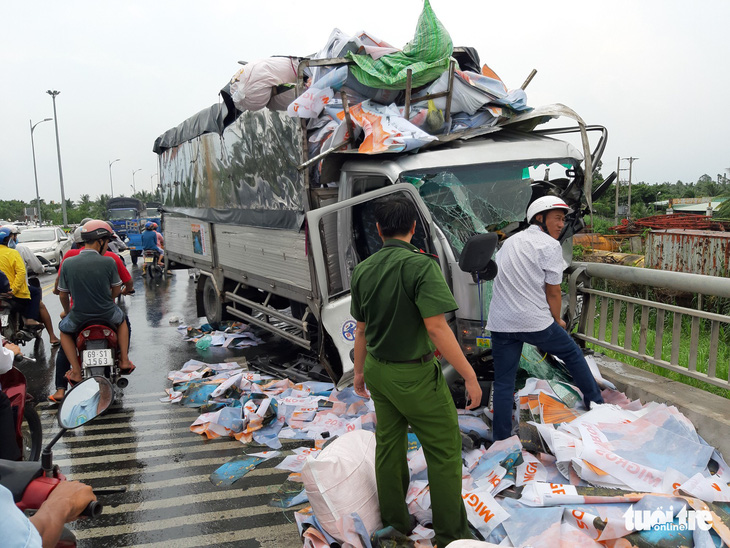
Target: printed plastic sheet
column 591, row 470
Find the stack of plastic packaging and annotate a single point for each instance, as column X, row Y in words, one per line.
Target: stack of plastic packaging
column 621, row 474
column 374, row 84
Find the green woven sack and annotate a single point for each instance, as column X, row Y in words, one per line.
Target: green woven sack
column 427, row 55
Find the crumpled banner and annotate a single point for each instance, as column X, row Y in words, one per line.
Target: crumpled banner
column 385, row 130
column 290, row 493
column 427, row 55
column 573, row 488
column 237, row 467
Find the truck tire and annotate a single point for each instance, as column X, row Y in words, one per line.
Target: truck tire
column 134, row 255
column 212, row 302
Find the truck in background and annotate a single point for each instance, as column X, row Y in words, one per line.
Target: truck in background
column 276, row 246
column 126, row 215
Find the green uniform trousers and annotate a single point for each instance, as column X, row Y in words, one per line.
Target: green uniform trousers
column 417, row 394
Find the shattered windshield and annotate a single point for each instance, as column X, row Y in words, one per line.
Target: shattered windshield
column 474, row 199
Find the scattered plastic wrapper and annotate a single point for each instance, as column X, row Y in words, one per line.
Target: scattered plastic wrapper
column 239, row 466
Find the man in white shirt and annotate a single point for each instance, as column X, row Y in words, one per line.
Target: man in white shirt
column 525, row 308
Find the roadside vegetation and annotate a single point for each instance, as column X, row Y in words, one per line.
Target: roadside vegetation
column 13, row 210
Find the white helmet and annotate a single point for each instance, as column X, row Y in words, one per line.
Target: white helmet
column 12, row 228
column 546, row 203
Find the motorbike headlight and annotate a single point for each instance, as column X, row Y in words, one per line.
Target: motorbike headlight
column 467, row 333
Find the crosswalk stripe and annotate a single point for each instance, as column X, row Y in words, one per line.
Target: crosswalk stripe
column 166, row 467
column 68, row 440
column 153, row 454
column 172, row 442
column 179, row 521
column 135, row 424
column 268, row 537
column 172, row 502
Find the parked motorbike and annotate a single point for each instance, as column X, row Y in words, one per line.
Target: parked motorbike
column 98, row 349
column 31, row 483
column 13, row 326
column 28, row 431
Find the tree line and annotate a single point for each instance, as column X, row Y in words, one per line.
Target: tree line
column 14, row 210
column 644, row 197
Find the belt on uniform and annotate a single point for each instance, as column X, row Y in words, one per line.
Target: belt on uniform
column 424, row 358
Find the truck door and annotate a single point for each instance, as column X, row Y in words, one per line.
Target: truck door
column 341, row 235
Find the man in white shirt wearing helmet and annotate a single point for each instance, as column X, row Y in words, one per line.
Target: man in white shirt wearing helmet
column 525, row 308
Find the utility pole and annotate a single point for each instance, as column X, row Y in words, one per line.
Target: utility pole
column 618, row 185
column 631, row 163
column 58, row 150
column 111, row 182
column 35, row 171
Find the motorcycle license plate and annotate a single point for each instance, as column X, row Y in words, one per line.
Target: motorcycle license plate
column 4, row 319
column 149, row 259
column 102, row 356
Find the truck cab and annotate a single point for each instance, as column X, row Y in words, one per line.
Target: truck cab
column 126, row 216
column 461, row 190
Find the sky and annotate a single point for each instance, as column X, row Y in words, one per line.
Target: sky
column 653, row 72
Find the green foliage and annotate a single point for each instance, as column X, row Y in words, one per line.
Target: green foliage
column 12, row 210
column 644, row 196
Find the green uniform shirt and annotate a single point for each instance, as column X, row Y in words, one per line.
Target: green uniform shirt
column 392, row 291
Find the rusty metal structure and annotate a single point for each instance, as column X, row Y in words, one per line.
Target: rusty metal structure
column 674, row 221
column 693, row 251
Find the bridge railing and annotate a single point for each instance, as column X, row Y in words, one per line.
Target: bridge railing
column 685, row 340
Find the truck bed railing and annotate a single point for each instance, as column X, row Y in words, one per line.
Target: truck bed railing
column 675, row 338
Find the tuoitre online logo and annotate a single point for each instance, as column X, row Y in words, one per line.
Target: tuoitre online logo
column 665, row 520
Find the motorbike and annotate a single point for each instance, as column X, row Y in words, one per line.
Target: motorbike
column 31, row 483
column 152, row 264
column 28, row 431
column 98, row 349
column 13, row 326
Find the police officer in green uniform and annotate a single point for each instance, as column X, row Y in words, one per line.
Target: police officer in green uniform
column 399, row 298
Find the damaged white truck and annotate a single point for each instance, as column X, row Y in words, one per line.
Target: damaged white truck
column 277, row 228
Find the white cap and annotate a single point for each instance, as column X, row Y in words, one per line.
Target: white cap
column 546, row 203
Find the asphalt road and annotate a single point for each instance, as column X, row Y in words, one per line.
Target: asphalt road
column 146, row 446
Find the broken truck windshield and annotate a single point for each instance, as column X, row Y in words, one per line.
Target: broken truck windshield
column 474, row 199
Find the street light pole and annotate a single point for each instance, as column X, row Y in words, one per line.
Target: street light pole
column 111, row 183
column 152, row 188
column 35, row 171
column 58, row 150
column 631, row 163
column 134, row 185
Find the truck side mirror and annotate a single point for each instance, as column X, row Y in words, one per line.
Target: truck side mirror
column 476, row 257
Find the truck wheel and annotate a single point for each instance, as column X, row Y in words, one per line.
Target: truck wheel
column 212, row 302
column 134, row 256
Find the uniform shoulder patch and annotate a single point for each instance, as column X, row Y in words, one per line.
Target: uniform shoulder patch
column 422, row 252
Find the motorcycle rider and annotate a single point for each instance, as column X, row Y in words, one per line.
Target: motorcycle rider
column 150, row 242
column 44, row 528
column 34, row 266
column 93, row 281
column 62, row 362
column 26, row 299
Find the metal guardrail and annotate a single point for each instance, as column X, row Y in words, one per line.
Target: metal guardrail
column 593, row 320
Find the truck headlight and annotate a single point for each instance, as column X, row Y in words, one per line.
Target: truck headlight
column 467, row 333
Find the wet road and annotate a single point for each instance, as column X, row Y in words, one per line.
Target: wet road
column 147, row 447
